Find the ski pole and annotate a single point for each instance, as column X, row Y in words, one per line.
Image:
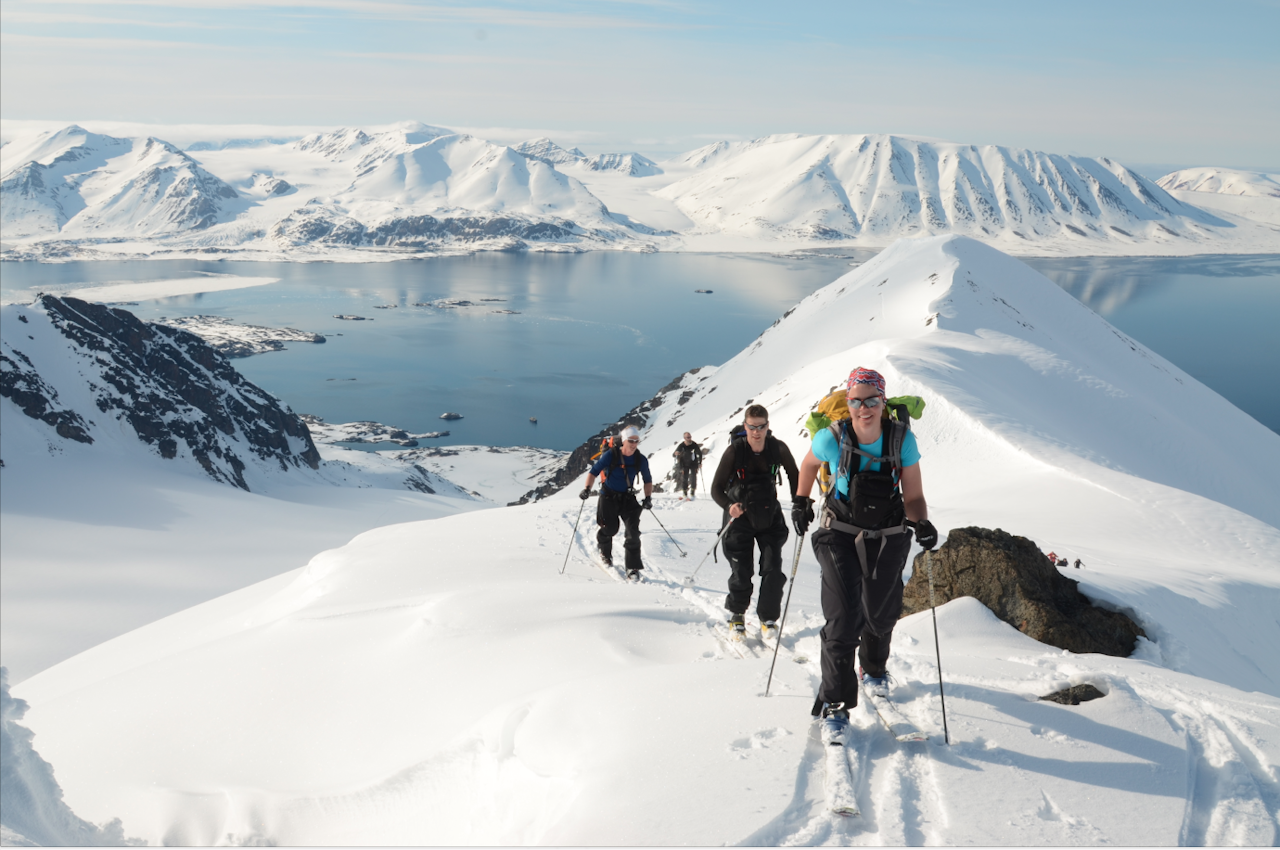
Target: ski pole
column 574, row 537
column 795, row 563
column 683, row 554
column 689, row 579
column 928, row 563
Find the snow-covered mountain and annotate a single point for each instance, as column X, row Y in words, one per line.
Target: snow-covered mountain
column 418, row 190
column 92, row 372
column 77, row 184
column 480, row 679
column 885, row 187
column 75, row 372
column 1223, row 181
column 548, row 151
column 630, row 164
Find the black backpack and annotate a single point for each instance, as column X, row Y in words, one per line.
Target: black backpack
column 760, row 510
column 874, row 498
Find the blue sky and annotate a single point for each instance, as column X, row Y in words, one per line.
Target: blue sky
column 1145, row 82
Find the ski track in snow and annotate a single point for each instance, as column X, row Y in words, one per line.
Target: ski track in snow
column 1233, row 789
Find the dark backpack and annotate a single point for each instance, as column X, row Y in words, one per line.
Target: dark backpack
column 874, row 499
column 760, row 502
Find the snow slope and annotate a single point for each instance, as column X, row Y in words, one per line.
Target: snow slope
column 442, row 682
column 1223, row 181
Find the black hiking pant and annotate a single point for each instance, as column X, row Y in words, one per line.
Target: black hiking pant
column 613, row 510
column 738, row 546
column 687, row 480
column 860, row 610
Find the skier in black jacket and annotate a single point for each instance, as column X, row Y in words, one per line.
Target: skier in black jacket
column 688, row 457
column 745, row 485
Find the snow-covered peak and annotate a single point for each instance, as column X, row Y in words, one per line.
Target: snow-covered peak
column 630, row 164
column 1018, row 360
column 548, row 151
column 1223, row 181
column 881, row 187
column 80, row 184
column 337, row 144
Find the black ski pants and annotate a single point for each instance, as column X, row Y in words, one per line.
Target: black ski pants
column 738, row 544
column 687, row 480
column 861, row 610
column 617, row 509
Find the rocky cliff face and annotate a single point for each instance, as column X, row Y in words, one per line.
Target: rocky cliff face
column 1013, row 578
column 77, row 366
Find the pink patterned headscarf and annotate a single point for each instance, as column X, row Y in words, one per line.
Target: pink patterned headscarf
column 865, row 376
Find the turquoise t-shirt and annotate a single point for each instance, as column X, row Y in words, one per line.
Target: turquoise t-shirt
column 827, row 448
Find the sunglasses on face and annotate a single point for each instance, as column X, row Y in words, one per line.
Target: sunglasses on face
column 757, row 427
column 634, row 442
column 869, row 403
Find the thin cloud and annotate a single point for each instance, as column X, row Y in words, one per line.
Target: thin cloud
column 115, row 44
column 491, row 16
column 25, row 17
column 453, row 59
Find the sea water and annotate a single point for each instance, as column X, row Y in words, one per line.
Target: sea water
column 588, row 336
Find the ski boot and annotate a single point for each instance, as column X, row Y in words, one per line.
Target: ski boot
column 737, row 627
column 769, row 630
column 633, row 575
column 835, row 724
column 876, row 686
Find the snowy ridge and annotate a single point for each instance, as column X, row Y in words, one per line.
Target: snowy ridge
column 630, row 164
column 844, row 187
column 1223, row 181
column 485, row 697
column 79, row 184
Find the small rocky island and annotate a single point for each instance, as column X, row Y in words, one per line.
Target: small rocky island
column 234, row 340
column 450, row 416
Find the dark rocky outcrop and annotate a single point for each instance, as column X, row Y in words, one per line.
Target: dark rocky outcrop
column 575, row 466
column 1074, row 695
column 1012, row 577
column 20, row 383
column 175, row 391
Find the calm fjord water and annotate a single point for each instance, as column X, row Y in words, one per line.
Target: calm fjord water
column 594, row 334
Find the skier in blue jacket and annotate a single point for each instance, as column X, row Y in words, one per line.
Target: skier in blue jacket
column 618, row 469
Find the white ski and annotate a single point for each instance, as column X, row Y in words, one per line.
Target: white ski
column 737, row 645
column 842, row 798
column 893, row 718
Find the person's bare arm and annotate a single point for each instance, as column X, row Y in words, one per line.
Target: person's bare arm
column 913, row 493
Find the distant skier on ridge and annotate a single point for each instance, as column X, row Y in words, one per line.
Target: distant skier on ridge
column 688, row 455
column 862, row 542
column 745, row 485
column 617, row 469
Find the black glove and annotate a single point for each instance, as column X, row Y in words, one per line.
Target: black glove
column 585, row 494
column 647, row 504
column 926, row 534
column 801, row 513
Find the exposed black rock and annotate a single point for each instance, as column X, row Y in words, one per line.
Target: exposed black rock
column 20, row 382
column 1012, row 577
column 172, row 389
column 1074, row 695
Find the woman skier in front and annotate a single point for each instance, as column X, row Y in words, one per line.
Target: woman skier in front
column 862, row 542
